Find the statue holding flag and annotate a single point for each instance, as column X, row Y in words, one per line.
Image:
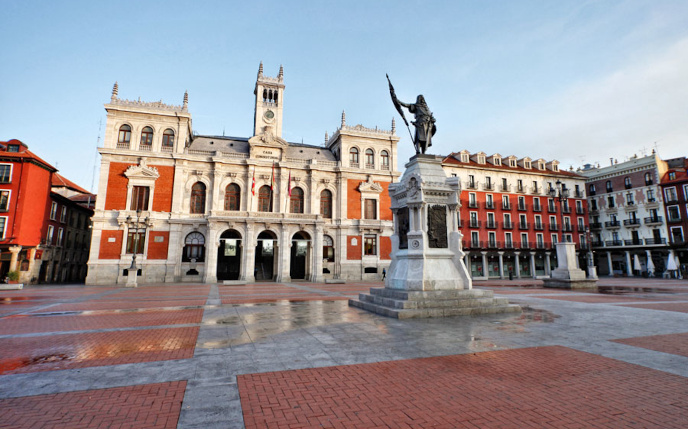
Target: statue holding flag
column 424, row 123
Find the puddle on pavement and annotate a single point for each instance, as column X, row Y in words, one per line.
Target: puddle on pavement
column 620, row 290
column 528, row 315
column 11, row 364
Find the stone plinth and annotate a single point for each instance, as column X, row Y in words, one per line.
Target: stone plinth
column 568, row 275
column 427, row 276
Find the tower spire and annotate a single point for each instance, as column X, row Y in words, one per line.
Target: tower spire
column 115, row 91
column 343, row 118
column 394, row 125
column 185, row 106
column 260, row 70
column 280, row 76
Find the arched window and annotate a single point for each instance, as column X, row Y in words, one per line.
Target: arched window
column 296, row 201
column 265, row 199
column 147, row 136
column 194, row 247
column 609, row 187
column 353, row 157
column 232, row 197
column 370, row 159
column 648, row 179
column 326, row 204
column 124, row 135
column 328, row 248
column 168, row 138
column 198, row 198
column 384, row 159
column 627, row 182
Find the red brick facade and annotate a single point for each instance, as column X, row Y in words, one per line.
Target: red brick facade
column 110, row 249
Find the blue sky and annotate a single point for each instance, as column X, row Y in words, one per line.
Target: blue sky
column 578, row 81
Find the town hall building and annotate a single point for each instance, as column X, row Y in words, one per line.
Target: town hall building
column 181, row 207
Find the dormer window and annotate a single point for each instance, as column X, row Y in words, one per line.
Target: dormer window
column 555, row 167
column 12, row 148
column 527, row 164
column 512, row 163
column 464, row 158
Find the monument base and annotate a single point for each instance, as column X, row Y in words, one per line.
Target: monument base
column 403, row 304
column 571, row 284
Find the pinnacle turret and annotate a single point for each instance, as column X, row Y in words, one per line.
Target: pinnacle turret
column 115, row 91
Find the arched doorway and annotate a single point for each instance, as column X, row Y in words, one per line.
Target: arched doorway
column 229, row 256
column 265, row 256
column 300, row 251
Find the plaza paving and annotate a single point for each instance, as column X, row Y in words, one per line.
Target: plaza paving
column 295, row 355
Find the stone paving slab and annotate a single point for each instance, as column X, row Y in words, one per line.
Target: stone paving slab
column 672, row 307
column 676, row 344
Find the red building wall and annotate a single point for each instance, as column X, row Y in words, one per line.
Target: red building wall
column 116, row 198
column 158, row 250
column 354, row 252
column 110, row 250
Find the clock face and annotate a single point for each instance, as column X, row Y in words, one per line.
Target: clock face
column 269, row 115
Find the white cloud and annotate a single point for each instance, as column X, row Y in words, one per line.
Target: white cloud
column 613, row 116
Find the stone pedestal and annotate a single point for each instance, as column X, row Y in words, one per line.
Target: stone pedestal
column 568, row 275
column 131, row 279
column 428, row 276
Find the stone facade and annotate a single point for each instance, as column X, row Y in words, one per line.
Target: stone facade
column 216, row 208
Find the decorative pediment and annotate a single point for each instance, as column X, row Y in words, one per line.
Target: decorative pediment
column 267, row 138
column 142, row 171
column 370, row 187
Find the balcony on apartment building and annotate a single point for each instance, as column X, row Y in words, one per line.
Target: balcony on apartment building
column 523, row 225
column 553, row 226
column 522, row 206
column 536, row 207
column 489, row 205
column 507, row 225
column 595, row 226
column 491, row 224
column 538, row 226
column 506, row 206
column 471, row 185
column 615, row 242
column 656, row 241
column 474, row 223
column 631, row 222
column 612, row 224
column 653, row 220
column 580, row 210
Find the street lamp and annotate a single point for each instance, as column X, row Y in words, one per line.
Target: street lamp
column 134, row 226
column 561, row 194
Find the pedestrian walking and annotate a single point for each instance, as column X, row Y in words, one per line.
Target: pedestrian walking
column 384, row 273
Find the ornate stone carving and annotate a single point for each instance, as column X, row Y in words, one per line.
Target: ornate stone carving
column 437, row 226
column 370, row 186
column 142, row 171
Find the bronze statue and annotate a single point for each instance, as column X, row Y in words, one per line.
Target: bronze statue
column 424, row 123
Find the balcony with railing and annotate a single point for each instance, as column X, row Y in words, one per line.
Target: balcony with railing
column 656, row 241
column 522, row 207
column 566, row 209
column 597, row 243
column 553, row 226
column 523, row 226
column 595, row 226
column 488, row 186
column 538, row 226
column 474, row 223
column 507, row 225
column 581, row 228
column 540, row 245
column 489, row 205
column 505, row 188
column 536, row 190
column 473, row 205
column 525, row 245
column 631, row 222
column 551, row 209
column 578, row 194
column 656, row 220
column 611, row 209
column 493, row 244
column 506, row 206
column 509, row 244
column 616, row 242
column 633, row 242
column 537, row 207
column 580, row 211
column 567, row 228
column 520, row 189
column 471, row 185
column 612, row 224
column 491, row 224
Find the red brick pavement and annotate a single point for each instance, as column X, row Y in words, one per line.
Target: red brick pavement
column 676, row 344
column 71, row 351
column 674, row 307
column 23, row 324
column 96, row 305
column 291, row 298
column 547, row 387
column 138, row 406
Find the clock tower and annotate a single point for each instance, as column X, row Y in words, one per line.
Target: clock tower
column 269, row 99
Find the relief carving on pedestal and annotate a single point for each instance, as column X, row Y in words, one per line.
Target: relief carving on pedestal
column 437, row 226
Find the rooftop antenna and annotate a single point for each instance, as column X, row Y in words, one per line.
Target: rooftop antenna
column 95, row 158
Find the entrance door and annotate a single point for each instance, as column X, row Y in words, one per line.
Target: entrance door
column 265, row 257
column 229, row 256
column 299, row 255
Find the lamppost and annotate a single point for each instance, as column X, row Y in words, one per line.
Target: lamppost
column 133, row 271
column 561, row 195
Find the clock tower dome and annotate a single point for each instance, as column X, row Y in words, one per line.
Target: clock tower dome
column 269, row 99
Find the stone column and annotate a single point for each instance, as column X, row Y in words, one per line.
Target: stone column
column 532, row 265
column 174, row 258
column 517, row 254
column 284, row 255
column 648, row 255
column 317, row 275
column 467, row 260
column 15, row 250
column 501, row 264
column 211, row 261
column 248, row 255
column 548, row 269
column 485, row 269
column 629, row 264
column 609, row 263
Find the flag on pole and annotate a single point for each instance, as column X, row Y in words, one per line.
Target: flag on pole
column 253, row 183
